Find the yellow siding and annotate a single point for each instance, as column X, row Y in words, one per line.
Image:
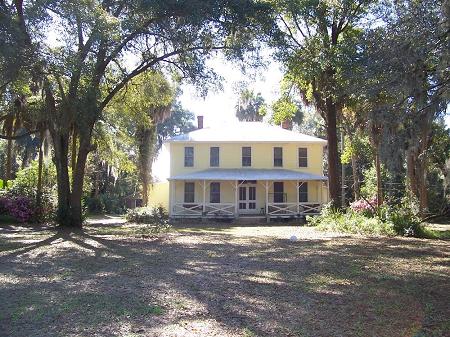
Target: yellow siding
column 227, row 192
column 230, row 156
column 159, row 195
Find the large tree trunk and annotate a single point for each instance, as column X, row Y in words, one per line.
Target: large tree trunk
column 61, row 146
column 40, row 167
column 333, row 157
column 146, row 140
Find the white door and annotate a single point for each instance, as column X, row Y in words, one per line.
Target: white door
column 247, row 199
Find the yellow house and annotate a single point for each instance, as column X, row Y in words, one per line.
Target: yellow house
column 247, row 169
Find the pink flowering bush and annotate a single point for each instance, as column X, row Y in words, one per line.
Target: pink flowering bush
column 18, row 207
column 364, row 206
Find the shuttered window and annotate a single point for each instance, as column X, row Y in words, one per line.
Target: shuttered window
column 214, row 193
column 189, row 192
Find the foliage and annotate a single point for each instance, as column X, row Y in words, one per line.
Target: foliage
column 25, row 186
column 157, row 218
column 369, row 186
column 286, row 108
column 109, row 203
column 350, row 222
column 367, row 207
column 250, row 107
column 19, row 207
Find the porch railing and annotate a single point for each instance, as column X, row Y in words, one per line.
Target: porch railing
column 291, row 209
column 219, row 210
column 210, row 210
column 188, row 209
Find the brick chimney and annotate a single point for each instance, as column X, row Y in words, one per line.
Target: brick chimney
column 287, row 124
column 199, row 122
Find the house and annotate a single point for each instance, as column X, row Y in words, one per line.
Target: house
column 246, row 169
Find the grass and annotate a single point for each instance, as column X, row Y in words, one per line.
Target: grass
column 220, row 281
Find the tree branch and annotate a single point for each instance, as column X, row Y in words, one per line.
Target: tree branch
column 144, row 66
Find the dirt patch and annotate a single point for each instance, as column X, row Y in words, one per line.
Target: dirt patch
column 220, row 281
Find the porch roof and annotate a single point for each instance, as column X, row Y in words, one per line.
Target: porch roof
column 248, row 174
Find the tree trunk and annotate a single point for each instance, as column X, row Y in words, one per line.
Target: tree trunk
column 73, row 156
column 146, row 140
column 40, row 166
column 333, row 158
column 77, row 187
column 379, row 178
column 356, row 187
column 61, row 146
column 8, row 160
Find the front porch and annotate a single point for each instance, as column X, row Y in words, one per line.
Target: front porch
column 220, row 197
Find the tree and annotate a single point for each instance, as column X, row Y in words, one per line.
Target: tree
column 250, row 107
column 315, row 42
column 94, row 61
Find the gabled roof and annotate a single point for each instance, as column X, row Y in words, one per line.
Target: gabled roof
column 243, row 132
column 248, row 174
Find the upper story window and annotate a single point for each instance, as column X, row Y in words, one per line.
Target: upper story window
column 303, row 192
column 188, row 156
column 278, row 156
column 214, row 156
column 246, row 156
column 189, row 192
column 214, row 193
column 302, row 157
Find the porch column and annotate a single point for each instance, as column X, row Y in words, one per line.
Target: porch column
column 297, row 188
column 267, row 199
column 204, row 197
column 320, row 192
column 171, row 185
column 236, row 187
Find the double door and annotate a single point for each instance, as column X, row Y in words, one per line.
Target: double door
column 247, row 199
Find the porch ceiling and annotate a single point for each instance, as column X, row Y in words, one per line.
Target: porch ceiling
column 248, row 174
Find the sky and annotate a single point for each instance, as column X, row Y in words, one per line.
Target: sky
column 219, row 106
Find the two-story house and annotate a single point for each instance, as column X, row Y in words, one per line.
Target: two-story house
column 245, row 169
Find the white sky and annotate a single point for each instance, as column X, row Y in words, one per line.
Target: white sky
column 219, row 107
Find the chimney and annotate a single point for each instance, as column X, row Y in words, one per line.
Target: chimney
column 287, row 124
column 199, row 122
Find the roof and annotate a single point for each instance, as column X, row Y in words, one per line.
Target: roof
column 245, row 132
column 248, row 174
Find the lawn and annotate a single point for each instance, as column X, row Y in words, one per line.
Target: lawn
column 110, row 280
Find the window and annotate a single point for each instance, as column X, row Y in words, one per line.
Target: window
column 278, row 191
column 188, row 156
column 189, row 192
column 302, row 157
column 214, row 193
column 303, row 192
column 278, row 156
column 246, row 156
column 214, row 156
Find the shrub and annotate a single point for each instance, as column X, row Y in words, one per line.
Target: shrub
column 404, row 218
column 157, row 217
column 367, row 207
column 21, row 208
column 350, row 222
column 25, row 186
column 95, row 205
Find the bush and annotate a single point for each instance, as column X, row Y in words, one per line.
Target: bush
column 405, row 220
column 24, row 187
column 350, row 222
column 157, row 217
column 20, row 208
column 106, row 203
column 367, row 207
